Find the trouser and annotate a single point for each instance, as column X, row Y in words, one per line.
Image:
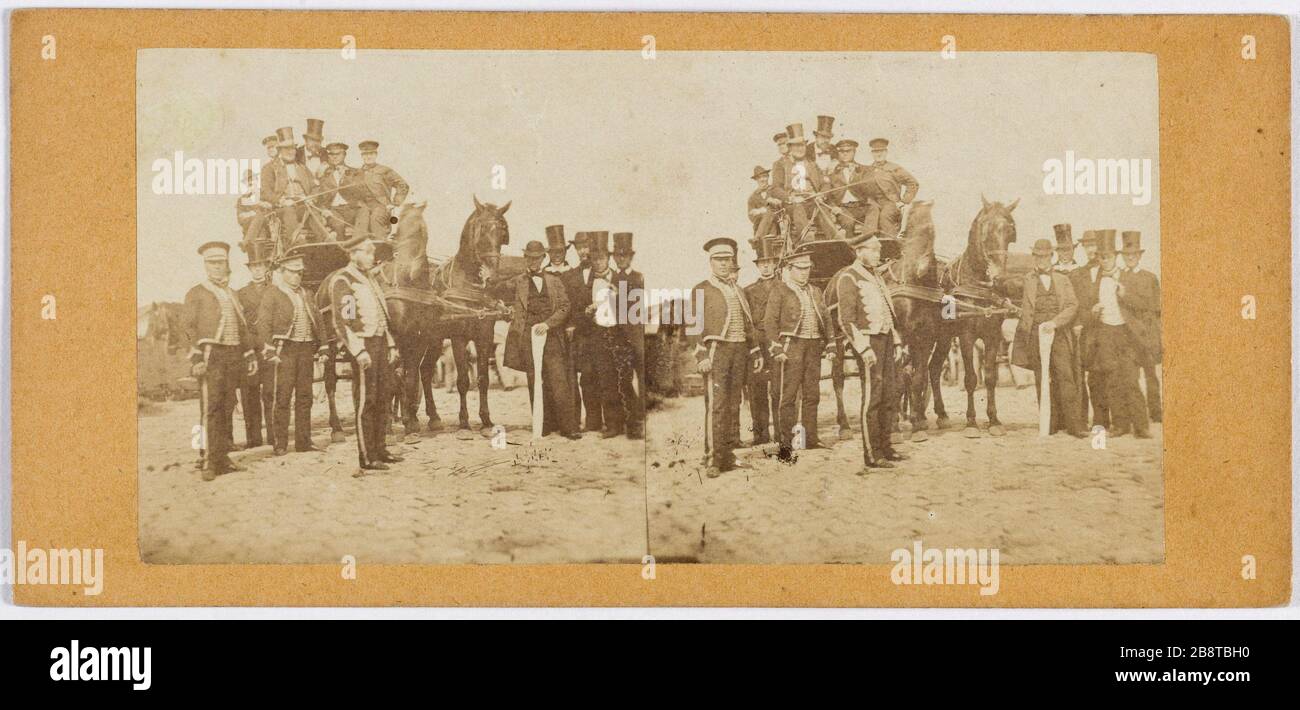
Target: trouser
column 313, row 229
column 722, row 386
column 588, row 354
column 257, row 399
column 293, row 378
column 217, row 389
column 1063, row 390
column 876, row 413
column 370, row 397
column 1117, row 353
column 764, row 403
column 766, row 225
column 342, row 217
column 804, row 213
column 625, row 410
column 853, row 214
column 883, row 214
column 1155, row 410
column 799, row 390
column 558, row 406
column 252, row 223
column 378, row 219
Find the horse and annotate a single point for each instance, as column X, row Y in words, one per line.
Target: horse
column 473, row 281
column 979, row 281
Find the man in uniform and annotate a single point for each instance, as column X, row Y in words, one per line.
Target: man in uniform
column 1121, row 342
column 889, row 188
column 825, row 153
column 541, row 306
column 341, row 195
column 627, row 346
column 590, row 281
column 1092, row 382
column 796, row 180
column 796, row 325
column 286, row 183
column 272, row 146
column 361, row 328
column 764, row 400
column 866, row 317
column 292, row 336
column 1143, row 297
column 761, row 206
column 221, row 354
column 257, row 392
column 782, row 144
column 310, row 153
column 384, row 189
column 847, row 180
column 1048, row 304
column 727, row 351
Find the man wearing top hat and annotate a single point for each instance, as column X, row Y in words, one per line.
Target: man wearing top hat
column 796, row 326
column 627, row 341
column 257, row 392
column 848, row 196
column 541, row 306
column 1120, row 343
column 866, row 318
column 384, row 189
column 221, row 354
column 1064, row 263
column 1092, row 388
column 360, row 322
column 1048, row 304
column 310, row 153
column 889, row 188
column 1142, row 294
column 286, row 187
column 761, row 206
column 796, row 180
column 557, row 250
column 728, row 350
column 764, row 400
column 825, row 153
column 292, row 336
column 587, row 345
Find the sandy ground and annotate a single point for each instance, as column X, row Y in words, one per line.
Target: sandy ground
column 455, row 499
column 1055, row 500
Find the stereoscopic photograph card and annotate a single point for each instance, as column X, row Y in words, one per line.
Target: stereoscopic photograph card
column 625, row 309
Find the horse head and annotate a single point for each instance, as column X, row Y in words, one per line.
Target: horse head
column 481, row 239
column 412, row 238
column 992, row 232
column 919, row 262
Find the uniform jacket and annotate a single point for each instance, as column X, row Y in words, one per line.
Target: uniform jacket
column 784, row 312
column 897, row 184
column 1063, row 320
column 277, row 176
column 275, row 318
column 1142, row 297
column 715, row 319
column 349, row 325
column 860, row 304
column 841, row 192
column 349, row 187
column 383, row 184
column 519, row 343
column 201, row 320
column 783, row 174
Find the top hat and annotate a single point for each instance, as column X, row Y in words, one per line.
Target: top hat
column 1089, row 237
column 270, row 140
column 581, row 239
column 1042, row 247
column 623, row 243
column 721, row 246
column 1064, row 240
column 801, row 257
column 1105, row 241
column 534, row 248
column 336, row 148
column 767, row 249
column 214, row 250
column 1132, row 243
column 794, row 133
column 878, row 143
column 555, row 237
column 861, row 236
column 780, row 138
column 290, row 259
column 824, row 124
column 599, row 242
column 284, row 137
column 368, row 146
column 315, row 129
column 846, row 143
column 259, row 251
column 759, row 172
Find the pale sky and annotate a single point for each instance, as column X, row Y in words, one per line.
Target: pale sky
column 662, row 148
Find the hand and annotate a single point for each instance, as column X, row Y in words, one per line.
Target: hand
column 484, row 273
column 540, row 329
column 570, row 331
column 1119, row 290
column 363, row 359
column 1047, row 327
column 797, row 199
column 274, row 359
column 869, row 358
column 393, row 355
column 199, row 369
column 758, row 364
column 781, row 358
column 265, row 205
column 705, row 365
column 1096, row 309
column 252, row 367
column 590, row 309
